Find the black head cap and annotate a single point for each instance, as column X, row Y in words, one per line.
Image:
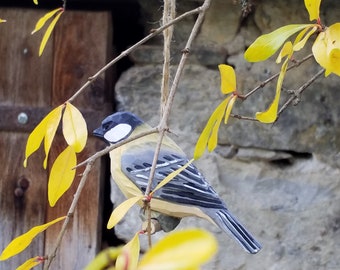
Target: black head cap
column 117, row 126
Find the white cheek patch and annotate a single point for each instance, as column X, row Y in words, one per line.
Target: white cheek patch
column 117, row 133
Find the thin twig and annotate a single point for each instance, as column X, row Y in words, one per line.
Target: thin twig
column 69, row 213
column 131, row 49
column 163, row 125
column 114, row 146
column 169, row 12
column 241, row 117
column 262, row 84
column 169, row 9
column 94, row 157
column 296, row 93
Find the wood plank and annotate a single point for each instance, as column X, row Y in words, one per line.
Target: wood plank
column 25, row 80
column 20, row 213
column 81, row 47
column 25, row 77
column 82, row 239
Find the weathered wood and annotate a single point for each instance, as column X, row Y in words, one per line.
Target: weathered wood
column 25, row 80
column 78, row 47
column 20, row 210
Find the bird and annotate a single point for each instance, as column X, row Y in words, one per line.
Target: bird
column 187, row 194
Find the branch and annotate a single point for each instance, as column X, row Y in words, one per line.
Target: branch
column 114, row 146
column 131, row 49
column 262, row 84
column 163, row 125
column 69, row 214
column 169, row 12
column 296, row 93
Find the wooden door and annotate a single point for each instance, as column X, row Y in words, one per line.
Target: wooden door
column 30, row 86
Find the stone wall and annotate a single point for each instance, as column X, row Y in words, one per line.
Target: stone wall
column 281, row 180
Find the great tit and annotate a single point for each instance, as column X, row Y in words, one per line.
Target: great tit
column 188, row 194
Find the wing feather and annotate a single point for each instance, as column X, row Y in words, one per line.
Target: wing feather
column 189, row 187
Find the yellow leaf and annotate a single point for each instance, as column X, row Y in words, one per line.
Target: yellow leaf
column 320, row 50
column 2, row 21
column 74, row 128
column 287, row 50
column 41, row 22
column 119, row 212
column 228, row 79
column 62, row 174
column 302, row 37
column 53, row 120
column 213, row 123
column 37, row 135
column 229, row 108
column 313, row 8
column 270, row 115
column 220, row 112
column 128, row 259
column 30, row 263
column 187, row 249
column 266, row 45
column 326, row 49
column 48, row 32
column 35, row 2
column 171, row 176
column 104, row 259
column 19, row 243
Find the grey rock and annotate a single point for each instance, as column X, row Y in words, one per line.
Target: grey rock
column 281, row 180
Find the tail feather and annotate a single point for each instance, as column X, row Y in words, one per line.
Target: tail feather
column 228, row 223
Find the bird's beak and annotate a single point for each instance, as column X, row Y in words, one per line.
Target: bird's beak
column 99, row 132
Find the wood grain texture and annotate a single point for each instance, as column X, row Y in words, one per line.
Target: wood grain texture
column 25, row 78
column 77, row 49
column 80, row 49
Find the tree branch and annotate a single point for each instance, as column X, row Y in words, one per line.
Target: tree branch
column 297, row 93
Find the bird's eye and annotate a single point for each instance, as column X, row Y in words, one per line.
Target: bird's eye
column 117, row 133
column 106, row 126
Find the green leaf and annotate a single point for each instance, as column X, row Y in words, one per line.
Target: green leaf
column 48, row 32
column 228, row 79
column 74, row 128
column 128, row 259
column 61, row 175
column 119, row 212
column 313, row 8
column 21, row 242
column 210, row 131
column 187, row 249
column 266, row 45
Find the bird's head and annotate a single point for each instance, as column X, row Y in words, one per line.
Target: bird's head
column 117, row 127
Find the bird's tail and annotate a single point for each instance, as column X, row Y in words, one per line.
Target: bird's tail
column 228, row 223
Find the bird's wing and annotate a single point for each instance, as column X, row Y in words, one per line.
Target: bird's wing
column 189, row 187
